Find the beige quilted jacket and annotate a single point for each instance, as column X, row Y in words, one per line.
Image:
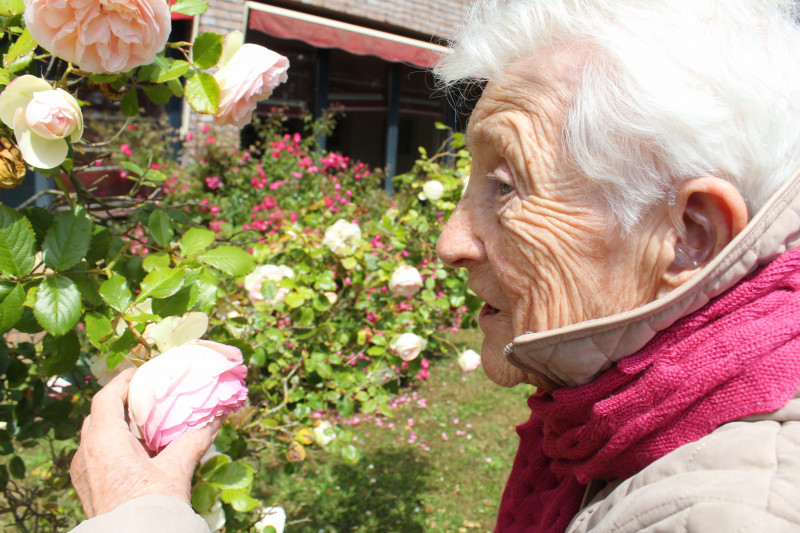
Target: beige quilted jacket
column 742, row 478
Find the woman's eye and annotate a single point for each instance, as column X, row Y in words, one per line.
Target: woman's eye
column 504, row 188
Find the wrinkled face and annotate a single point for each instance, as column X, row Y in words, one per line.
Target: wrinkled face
column 540, row 249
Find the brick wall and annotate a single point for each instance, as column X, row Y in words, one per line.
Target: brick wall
column 223, row 16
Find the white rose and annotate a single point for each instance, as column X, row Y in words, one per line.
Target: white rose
column 323, row 434
column 271, row 516
column 433, row 190
column 215, row 517
column 254, row 280
column 408, row 346
column 342, row 237
column 469, row 360
column 405, row 281
column 42, row 119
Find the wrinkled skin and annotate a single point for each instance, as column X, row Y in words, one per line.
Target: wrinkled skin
column 540, row 249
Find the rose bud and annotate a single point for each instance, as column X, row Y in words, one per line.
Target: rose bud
column 408, row 346
column 469, row 360
column 185, row 388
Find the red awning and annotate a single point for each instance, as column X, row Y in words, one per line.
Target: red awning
column 327, row 33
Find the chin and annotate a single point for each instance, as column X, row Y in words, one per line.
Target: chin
column 496, row 366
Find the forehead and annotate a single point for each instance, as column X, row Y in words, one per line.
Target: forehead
column 537, row 88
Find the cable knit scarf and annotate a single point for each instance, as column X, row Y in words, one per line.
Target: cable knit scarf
column 737, row 356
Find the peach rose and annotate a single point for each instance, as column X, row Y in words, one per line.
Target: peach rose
column 185, row 388
column 42, row 119
column 102, row 37
column 250, row 75
column 405, row 281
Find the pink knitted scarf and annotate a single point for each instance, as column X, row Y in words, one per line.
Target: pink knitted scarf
column 737, row 356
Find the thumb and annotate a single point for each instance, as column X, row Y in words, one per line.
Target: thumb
column 185, row 451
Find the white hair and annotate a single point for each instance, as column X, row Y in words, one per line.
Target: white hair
column 672, row 89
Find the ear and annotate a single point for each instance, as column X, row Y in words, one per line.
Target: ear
column 706, row 213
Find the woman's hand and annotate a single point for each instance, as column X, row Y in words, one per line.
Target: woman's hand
column 112, row 467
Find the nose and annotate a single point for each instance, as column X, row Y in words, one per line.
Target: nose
column 459, row 245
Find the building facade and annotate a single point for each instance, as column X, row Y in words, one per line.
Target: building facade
column 366, row 59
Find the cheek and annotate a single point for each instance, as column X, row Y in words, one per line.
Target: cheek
column 495, row 364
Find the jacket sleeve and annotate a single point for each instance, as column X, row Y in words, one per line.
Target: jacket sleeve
column 147, row 514
column 744, row 478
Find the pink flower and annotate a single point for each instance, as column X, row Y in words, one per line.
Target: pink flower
column 249, row 76
column 42, row 118
column 189, row 136
column 185, row 388
column 103, row 37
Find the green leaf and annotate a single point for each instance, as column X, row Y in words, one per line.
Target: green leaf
column 115, row 292
column 176, row 87
column 98, row 328
column 17, row 467
column 158, row 94
column 61, row 354
column 232, row 476
column 99, row 246
column 17, row 243
column 212, row 465
column 11, row 299
column 5, row 78
column 177, row 68
column 153, row 176
column 20, row 55
column 177, row 304
column 58, row 305
column 350, row 454
column 294, row 300
column 202, row 93
column 129, row 104
column 9, row 8
column 189, row 7
column 204, row 496
column 239, row 500
column 67, row 240
column 155, row 261
column 207, row 49
column 195, row 241
column 41, row 219
column 133, row 167
column 160, row 229
column 229, row 259
column 161, row 283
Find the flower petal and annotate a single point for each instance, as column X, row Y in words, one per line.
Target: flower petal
column 38, row 151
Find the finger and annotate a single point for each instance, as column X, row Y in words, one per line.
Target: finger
column 185, row 451
column 85, row 426
column 109, row 402
column 77, row 475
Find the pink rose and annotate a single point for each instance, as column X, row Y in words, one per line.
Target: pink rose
column 42, row 118
column 250, row 75
column 185, row 388
column 405, row 281
column 103, row 37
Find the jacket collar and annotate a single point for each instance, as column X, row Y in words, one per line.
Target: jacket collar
column 575, row 354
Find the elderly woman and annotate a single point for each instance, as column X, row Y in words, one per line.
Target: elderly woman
column 630, row 222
